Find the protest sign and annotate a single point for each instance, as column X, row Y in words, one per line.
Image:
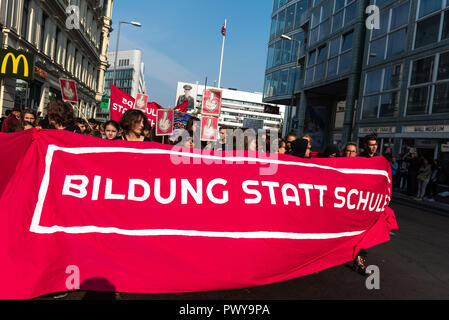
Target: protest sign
column 121, row 101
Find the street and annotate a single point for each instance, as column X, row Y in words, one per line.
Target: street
column 413, row 265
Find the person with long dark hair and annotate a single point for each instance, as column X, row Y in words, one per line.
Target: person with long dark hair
column 133, row 124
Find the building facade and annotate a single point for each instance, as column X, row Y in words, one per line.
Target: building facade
column 239, row 108
column 129, row 77
column 78, row 52
column 355, row 78
column 404, row 88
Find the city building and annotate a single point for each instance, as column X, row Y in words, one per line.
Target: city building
column 356, row 78
column 404, row 88
column 129, row 76
column 64, row 45
column 329, row 34
column 239, row 108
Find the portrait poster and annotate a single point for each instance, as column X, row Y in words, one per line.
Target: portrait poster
column 68, row 90
column 186, row 92
column 211, row 103
column 164, row 122
column 141, row 102
column 209, row 128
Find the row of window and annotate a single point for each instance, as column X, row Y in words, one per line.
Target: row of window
column 338, row 55
column 331, row 17
column 389, row 40
column 288, row 19
column 281, row 82
column 123, row 62
column 120, row 74
column 428, row 89
column 279, row 3
column 284, row 51
column 120, row 83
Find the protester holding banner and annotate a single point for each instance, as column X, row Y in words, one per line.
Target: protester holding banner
column 299, row 148
column 82, row 124
column 112, row 129
column 289, row 138
column 281, row 146
column 350, row 149
column 30, row 116
column 331, row 151
column 370, row 146
column 11, row 120
column 60, row 115
column 27, row 121
column 133, row 124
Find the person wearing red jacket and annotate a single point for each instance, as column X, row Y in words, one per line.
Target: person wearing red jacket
column 11, row 120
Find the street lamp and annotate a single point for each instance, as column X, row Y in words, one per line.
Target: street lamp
column 134, row 23
column 285, row 37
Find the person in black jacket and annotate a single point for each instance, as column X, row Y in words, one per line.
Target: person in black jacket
column 370, row 146
column 414, row 164
column 300, row 148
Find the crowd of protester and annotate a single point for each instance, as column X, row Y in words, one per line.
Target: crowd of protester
column 134, row 126
column 413, row 175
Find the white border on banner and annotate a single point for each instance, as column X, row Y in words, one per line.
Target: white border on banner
column 36, row 228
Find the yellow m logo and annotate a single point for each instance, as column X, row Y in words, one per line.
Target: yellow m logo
column 15, row 64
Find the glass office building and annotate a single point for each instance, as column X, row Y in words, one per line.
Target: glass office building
column 354, row 79
column 326, row 80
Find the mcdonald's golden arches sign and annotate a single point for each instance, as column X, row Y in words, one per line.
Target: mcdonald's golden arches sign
column 16, row 64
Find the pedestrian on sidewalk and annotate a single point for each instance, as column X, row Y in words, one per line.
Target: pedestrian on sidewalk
column 414, row 164
column 425, row 172
column 434, row 180
column 403, row 173
column 394, row 172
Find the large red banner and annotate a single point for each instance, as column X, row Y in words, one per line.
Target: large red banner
column 121, row 101
column 149, row 218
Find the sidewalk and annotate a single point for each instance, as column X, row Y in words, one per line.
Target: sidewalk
column 436, row 206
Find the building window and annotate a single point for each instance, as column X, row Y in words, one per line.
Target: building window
column 301, row 7
column 44, row 22
column 290, row 18
column 283, row 78
column 277, row 54
column 381, row 93
column 56, row 49
column 340, row 55
column 428, row 86
column 315, row 66
column 350, row 12
column 123, row 62
column 286, row 51
column 266, row 90
column 280, row 23
column 427, row 31
column 427, row 7
column 390, row 39
column 273, row 27
column 25, row 18
column 432, row 23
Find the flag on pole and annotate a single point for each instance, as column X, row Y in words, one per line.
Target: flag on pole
column 223, row 30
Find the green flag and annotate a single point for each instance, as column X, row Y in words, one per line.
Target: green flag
column 104, row 103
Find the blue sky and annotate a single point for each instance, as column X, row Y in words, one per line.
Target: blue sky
column 181, row 41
